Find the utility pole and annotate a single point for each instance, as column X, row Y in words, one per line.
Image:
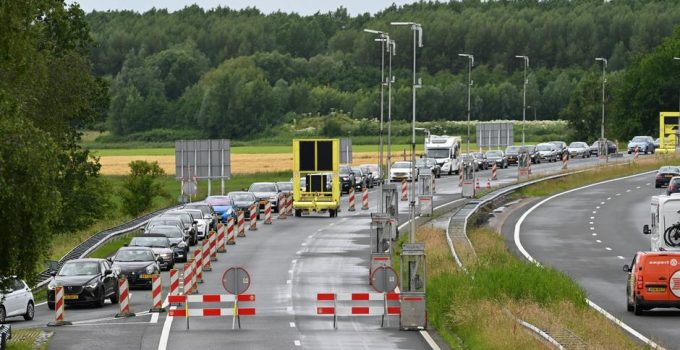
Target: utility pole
column 524, row 103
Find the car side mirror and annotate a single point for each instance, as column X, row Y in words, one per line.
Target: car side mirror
column 108, row 272
column 626, row 268
column 173, row 244
column 160, row 260
column 141, row 229
column 126, row 245
column 53, row 273
column 646, row 230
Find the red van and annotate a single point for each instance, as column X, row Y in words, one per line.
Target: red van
column 653, row 281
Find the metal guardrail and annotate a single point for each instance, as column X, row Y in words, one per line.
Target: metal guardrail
column 5, row 335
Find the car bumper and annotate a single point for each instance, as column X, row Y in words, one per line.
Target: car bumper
column 663, row 182
column 84, row 297
column 512, row 160
column 659, row 303
column 137, row 281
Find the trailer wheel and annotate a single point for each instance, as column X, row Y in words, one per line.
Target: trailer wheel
column 332, row 213
column 298, row 213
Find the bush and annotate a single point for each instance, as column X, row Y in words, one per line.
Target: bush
column 155, row 135
column 141, row 186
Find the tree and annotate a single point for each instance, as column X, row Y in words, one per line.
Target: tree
column 584, row 111
column 141, row 186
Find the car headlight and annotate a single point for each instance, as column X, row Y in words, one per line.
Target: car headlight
column 150, row 269
column 166, row 256
column 92, row 285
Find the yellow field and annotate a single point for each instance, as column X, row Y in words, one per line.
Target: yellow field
column 240, row 163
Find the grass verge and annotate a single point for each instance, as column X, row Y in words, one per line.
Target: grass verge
column 112, row 246
column 29, row 339
column 474, row 309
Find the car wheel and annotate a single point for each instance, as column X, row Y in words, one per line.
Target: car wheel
column 3, row 314
column 298, row 213
column 114, row 297
column 653, row 150
column 50, row 306
column 637, row 308
column 30, row 311
column 102, row 298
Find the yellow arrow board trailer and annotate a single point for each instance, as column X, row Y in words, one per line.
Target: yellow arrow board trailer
column 668, row 132
column 316, row 184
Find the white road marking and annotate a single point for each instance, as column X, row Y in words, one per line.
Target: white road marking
column 429, row 340
column 594, row 211
column 637, row 187
column 607, row 248
column 294, row 261
column 297, row 343
column 290, row 271
column 292, row 325
column 609, row 198
column 648, row 184
column 592, row 218
column 618, row 194
column 594, row 234
column 289, row 281
column 598, row 207
column 165, row 334
column 289, row 308
column 299, row 252
column 304, row 244
column 310, row 236
column 601, row 203
column 154, row 317
column 598, row 241
column 628, row 190
column 592, row 228
column 590, row 222
column 331, row 224
column 620, row 257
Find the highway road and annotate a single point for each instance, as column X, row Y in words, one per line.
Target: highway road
column 590, row 234
column 289, row 262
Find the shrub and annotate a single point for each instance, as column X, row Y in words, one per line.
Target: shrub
column 141, row 186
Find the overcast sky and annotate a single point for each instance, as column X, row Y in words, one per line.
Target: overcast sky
column 303, row 7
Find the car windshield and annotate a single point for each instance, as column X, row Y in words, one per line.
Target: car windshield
column 526, row 149
column 356, row 171
column 155, row 242
column 130, row 255
column 242, row 197
column 494, row 154
column 203, row 208
column 79, row 268
column 401, row 165
column 639, row 139
column 669, row 169
column 164, row 222
column 168, row 231
column 544, row 147
column 195, row 213
column 438, row 152
column 262, row 187
column 478, row 155
column 285, row 186
column 219, row 201
column 466, row 156
column 512, row 149
column 184, row 217
column 577, row 145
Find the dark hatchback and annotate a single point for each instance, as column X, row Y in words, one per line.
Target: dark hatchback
column 665, row 174
column 137, row 264
column 673, row 186
column 178, row 241
column 243, row 201
column 347, row 179
column 512, row 153
column 85, row 282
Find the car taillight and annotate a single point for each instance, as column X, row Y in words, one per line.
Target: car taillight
column 659, row 176
column 639, row 282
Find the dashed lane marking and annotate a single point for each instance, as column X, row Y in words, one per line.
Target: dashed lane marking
column 638, row 187
column 609, row 198
column 598, row 207
column 292, row 325
column 297, row 343
column 594, row 211
column 590, row 222
column 592, row 228
column 618, row 194
column 592, row 218
column 620, row 257
column 608, row 248
column 601, row 203
column 289, row 281
column 598, row 241
column 594, row 234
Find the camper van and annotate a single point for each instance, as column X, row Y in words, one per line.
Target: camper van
column 665, row 227
column 445, row 150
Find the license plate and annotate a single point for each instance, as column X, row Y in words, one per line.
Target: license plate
column 263, row 202
column 70, row 296
column 656, row 289
column 145, row 276
column 669, row 176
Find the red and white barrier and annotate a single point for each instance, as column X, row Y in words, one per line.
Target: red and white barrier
column 268, row 213
column 230, row 231
column 289, row 205
column 283, row 206
column 253, row 217
column 205, row 258
column 221, row 242
column 363, row 310
column 174, row 283
column 124, row 298
column 637, row 153
column 364, row 198
column 212, row 241
column 189, row 277
column 565, row 161
column 460, row 177
column 477, row 184
column 351, row 199
column 493, row 172
column 59, row 319
column 156, row 294
column 488, row 184
column 404, row 190
column 235, row 310
column 241, row 223
column 198, row 261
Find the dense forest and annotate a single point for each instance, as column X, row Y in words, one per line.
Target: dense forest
column 238, row 74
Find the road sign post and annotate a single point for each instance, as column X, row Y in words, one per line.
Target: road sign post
column 425, row 194
column 236, row 280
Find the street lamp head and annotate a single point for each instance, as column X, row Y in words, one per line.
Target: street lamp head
column 392, row 47
column 604, row 60
column 402, row 23
column 469, row 57
column 676, row 58
column 373, row 31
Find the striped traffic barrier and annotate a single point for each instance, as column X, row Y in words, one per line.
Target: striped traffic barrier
column 351, row 199
column 189, row 277
column 198, row 261
column 205, row 258
column 241, row 223
column 637, row 153
column 565, row 161
column 493, row 172
column 268, row 213
column 221, row 240
column 289, row 204
column 233, row 310
column 404, row 190
column 348, row 298
column 364, row 198
column 283, row 205
column 174, row 283
column 477, row 184
column 460, row 178
column 212, row 240
column 230, row 231
column 124, row 298
column 253, row 218
column 488, row 184
column 59, row 319
column 156, row 294
column 194, row 275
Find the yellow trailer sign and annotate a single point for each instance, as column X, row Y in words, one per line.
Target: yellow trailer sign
column 317, row 162
column 668, row 131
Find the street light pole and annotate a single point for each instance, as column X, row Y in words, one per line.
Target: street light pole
column 471, row 63
column 392, row 51
column 524, row 103
column 604, row 81
column 417, row 42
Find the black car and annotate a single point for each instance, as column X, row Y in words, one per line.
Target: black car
column 562, row 149
column 533, row 153
column 512, row 153
column 347, row 179
column 160, row 245
column 481, row 158
column 243, row 201
column 85, row 282
column 178, row 241
column 611, row 148
column 360, row 179
column 497, row 157
column 370, row 180
column 137, row 264
column 188, row 222
column 673, row 186
column 664, row 175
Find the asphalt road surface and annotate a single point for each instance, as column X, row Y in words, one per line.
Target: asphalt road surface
column 590, row 234
column 289, row 262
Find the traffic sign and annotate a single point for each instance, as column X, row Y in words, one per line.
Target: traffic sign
column 384, row 279
column 236, row 280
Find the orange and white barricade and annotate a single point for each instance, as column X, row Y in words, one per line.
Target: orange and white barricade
column 230, row 231
column 488, row 184
column 289, row 205
column 241, row 223
column 124, row 298
column 351, row 199
column 205, row 258
column 253, row 217
column 283, row 206
column 268, row 213
column 565, row 161
column 198, row 263
column 493, row 172
column 189, row 274
column 460, row 177
column 59, row 319
column 234, row 310
column 404, row 190
column 364, row 198
column 637, row 153
column 476, row 183
column 221, row 240
column 390, row 305
column 212, row 242
column 156, row 294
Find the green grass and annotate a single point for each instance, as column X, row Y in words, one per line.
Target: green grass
column 110, row 248
column 40, row 295
column 25, row 339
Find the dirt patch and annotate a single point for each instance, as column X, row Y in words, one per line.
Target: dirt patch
column 240, row 163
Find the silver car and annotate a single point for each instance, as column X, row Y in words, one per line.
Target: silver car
column 579, row 149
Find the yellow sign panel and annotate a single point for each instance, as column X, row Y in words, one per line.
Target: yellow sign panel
column 668, row 129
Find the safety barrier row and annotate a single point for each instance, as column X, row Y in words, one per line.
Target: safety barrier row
column 234, row 310
column 362, row 310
